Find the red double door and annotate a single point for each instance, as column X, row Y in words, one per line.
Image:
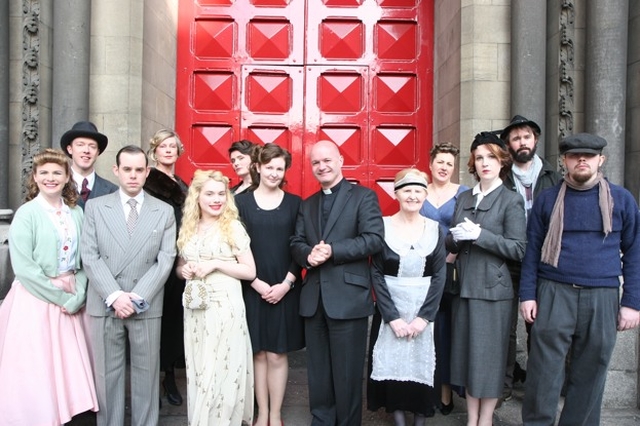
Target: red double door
column 292, row 72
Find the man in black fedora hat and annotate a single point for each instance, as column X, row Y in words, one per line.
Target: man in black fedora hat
column 529, row 175
column 83, row 143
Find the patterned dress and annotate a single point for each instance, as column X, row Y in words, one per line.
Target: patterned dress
column 218, row 353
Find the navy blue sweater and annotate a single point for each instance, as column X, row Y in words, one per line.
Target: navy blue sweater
column 587, row 258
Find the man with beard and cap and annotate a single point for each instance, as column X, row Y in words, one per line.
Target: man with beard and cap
column 83, row 143
column 580, row 283
column 529, row 175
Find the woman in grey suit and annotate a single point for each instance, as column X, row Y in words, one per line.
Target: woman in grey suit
column 488, row 229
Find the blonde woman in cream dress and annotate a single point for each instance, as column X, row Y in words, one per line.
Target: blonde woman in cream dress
column 214, row 248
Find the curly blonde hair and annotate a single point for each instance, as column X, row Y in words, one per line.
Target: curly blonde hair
column 192, row 214
column 69, row 192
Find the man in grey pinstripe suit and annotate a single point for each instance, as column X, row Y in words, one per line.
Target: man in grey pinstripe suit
column 128, row 255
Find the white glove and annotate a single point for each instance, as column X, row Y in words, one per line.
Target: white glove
column 465, row 231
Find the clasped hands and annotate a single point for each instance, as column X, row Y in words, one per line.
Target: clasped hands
column 270, row 293
column 465, row 231
column 409, row 330
column 191, row 270
column 123, row 305
column 320, row 253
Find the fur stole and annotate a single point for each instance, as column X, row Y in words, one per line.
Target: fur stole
column 166, row 189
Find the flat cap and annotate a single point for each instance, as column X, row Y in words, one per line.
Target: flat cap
column 582, row 142
column 483, row 138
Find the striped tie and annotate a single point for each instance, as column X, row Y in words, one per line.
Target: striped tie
column 133, row 216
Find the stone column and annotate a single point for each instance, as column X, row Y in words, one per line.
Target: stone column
column 71, row 48
column 4, row 105
column 6, row 275
column 606, row 79
column 605, row 108
column 528, row 61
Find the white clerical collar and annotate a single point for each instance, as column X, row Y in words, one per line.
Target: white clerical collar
column 327, row 191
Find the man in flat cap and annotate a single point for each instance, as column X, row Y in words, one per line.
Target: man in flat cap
column 583, row 241
column 529, row 175
column 83, row 143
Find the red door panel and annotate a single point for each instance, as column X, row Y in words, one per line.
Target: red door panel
column 272, row 111
column 336, row 109
column 357, row 72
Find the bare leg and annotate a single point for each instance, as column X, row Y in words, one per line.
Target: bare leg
column 446, row 400
column 487, row 407
column 277, row 374
column 445, row 394
column 473, row 410
column 261, row 388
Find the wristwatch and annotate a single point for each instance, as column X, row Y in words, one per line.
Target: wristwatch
column 291, row 283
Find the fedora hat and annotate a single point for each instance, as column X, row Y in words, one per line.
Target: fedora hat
column 83, row 129
column 519, row 121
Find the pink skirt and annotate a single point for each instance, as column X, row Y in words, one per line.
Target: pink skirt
column 45, row 368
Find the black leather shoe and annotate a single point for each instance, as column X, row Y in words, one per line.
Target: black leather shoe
column 446, row 409
column 519, row 375
column 171, row 390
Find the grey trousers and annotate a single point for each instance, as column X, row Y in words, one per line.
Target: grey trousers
column 109, row 336
column 585, row 321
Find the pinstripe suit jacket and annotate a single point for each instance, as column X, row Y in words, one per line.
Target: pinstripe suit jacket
column 114, row 261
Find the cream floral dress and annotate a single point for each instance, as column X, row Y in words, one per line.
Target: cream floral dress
column 218, row 352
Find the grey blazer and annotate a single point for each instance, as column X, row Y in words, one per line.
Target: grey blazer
column 114, row 261
column 482, row 264
column 101, row 187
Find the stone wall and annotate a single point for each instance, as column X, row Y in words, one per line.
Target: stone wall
column 627, row 358
column 485, row 72
column 159, row 66
column 632, row 154
column 133, row 50
column 446, row 93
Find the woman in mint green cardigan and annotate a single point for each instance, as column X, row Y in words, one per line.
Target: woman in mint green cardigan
column 44, row 355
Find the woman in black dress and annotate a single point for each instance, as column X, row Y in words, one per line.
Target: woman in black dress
column 164, row 149
column 272, row 299
column 408, row 278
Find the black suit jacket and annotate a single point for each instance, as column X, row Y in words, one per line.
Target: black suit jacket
column 100, row 187
column 355, row 231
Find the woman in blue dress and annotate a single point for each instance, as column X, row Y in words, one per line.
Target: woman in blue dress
column 442, row 195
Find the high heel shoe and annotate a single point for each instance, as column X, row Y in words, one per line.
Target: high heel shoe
column 446, row 409
column 171, row 390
